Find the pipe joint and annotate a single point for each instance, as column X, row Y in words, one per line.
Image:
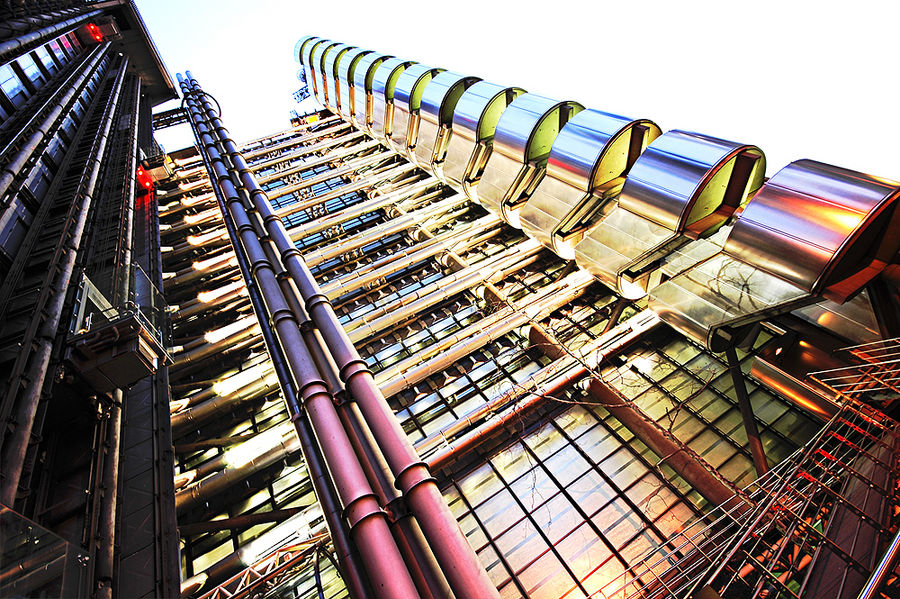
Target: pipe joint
column 341, row 398
column 279, row 315
column 362, row 508
column 412, row 476
column 354, row 368
column 397, row 510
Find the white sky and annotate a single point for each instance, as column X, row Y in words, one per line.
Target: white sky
column 799, row 79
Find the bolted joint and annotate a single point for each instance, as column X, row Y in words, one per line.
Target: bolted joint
column 412, row 476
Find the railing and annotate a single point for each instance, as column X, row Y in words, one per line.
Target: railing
column 34, row 562
column 94, row 310
column 875, row 376
column 814, row 526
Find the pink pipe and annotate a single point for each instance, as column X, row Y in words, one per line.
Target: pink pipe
column 458, row 561
column 368, row 523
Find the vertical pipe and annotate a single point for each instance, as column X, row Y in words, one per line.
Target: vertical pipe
column 740, row 389
column 458, row 561
column 16, row 443
column 368, row 523
column 105, row 559
column 351, row 568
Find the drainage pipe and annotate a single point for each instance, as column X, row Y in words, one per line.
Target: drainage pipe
column 307, row 150
column 441, row 355
column 368, row 523
column 458, row 561
column 345, row 169
column 362, row 183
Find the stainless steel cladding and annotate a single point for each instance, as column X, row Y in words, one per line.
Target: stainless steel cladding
column 306, row 51
column 587, row 165
column 684, row 185
column 383, row 85
column 474, row 123
column 809, row 219
column 525, row 133
column 316, row 53
column 438, row 104
column 407, row 100
column 813, row 230
column 363, row 78
column 345, row 71
column 325, row 71
column 330, row 67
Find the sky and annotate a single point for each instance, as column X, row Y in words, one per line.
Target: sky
column 798, row 79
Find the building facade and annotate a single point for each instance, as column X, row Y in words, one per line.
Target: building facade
column 441, row 338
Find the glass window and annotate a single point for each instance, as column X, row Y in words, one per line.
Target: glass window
column 12, row 87
column 76, row 43
column 46, row 59
column 31, row 70
column 67, row 45
column 58, row 51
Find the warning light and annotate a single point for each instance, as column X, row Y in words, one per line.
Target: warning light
column 95, row 32
column 144, row 179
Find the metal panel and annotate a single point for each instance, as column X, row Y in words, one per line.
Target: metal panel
column 809, row 226
column 522, row 141
column 682, row 179
column 383, row 84
column 345, row 72
column 474, row 122
column 363, row 77
column 671, row 175
column 592, row 150
column 330, row 65
column 439, row 102
column 806, row 220
column 407, row 100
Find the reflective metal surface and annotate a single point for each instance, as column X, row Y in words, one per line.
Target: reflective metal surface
column 327, row 77
column 813, row 224
column 522, row 141
column 592, row 151
column 812, row 230
column 439, row 101
column 313, row 77
column 474, row 123
column 363, row 77
column 407, row 100
column 345, row 72
column 684, row 184
column 383, row 84
column 332, row 87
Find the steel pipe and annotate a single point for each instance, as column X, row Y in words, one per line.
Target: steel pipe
column 458, row 561
column 367, row 522
column 346, row 214
column 36, row 362
column 328, row 158
column 351, row 567
column 10, row 48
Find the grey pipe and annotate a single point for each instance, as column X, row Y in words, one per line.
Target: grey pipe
column 15, row 444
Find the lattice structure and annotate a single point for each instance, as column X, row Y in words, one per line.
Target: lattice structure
column 875, row 376
column 270, row 570
column 815, row 526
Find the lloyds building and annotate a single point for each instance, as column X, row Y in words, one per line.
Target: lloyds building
column 439, row 338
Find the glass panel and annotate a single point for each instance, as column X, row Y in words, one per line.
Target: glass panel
column 12, row 86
